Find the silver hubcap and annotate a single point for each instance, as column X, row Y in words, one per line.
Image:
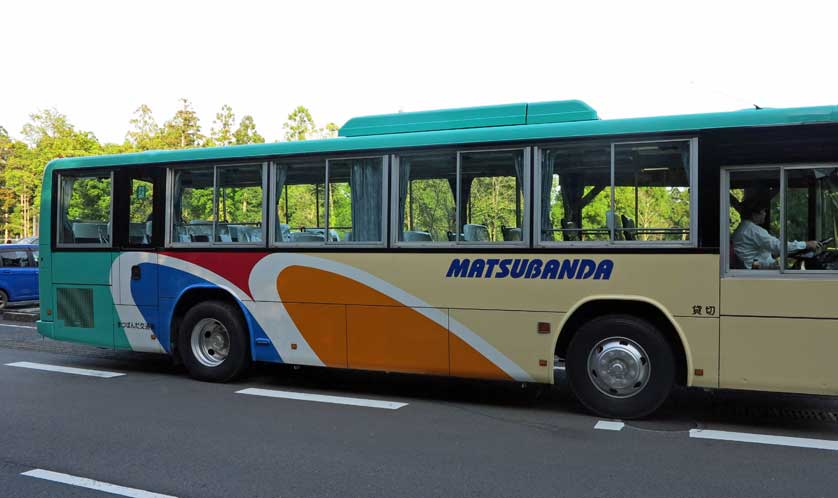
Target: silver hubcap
column 210, row 342
column 619, row 367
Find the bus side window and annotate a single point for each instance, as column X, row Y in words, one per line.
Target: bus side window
column 427, row 210
column 85, row 210
column 300, row 192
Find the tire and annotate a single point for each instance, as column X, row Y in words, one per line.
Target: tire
column 4, row 299
column 620, row 366
column 213, row 342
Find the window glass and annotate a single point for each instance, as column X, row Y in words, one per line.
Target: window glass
column 651, row 192
column 754, row 219
column 427, row 209
column 301, row 202
column 575, row 193
column 140, row 209
column 355, row 200
column 35, row 258
column 239, row 204
column 491, row 196
column 811, row 205
column 193, row 206
column 14, row 259
column 85, row 210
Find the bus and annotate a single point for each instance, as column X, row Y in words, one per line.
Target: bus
column 488, row 242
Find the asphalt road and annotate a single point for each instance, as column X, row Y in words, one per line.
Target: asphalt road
column 157, row 432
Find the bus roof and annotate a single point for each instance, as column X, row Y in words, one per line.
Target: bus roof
column 505, row 123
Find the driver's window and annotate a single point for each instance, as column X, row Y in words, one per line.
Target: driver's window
column 754, row 219
column 811, row 210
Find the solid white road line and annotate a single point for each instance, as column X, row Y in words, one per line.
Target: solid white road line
column 744, row 437
column 70, row 370
column 339, row 400
column 83, row 482
column 609, row 426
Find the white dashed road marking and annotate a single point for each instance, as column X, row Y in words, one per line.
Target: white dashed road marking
column 744, row 437
column 17, row 326
column 84, row 482
column 609, row 426
column 70, row 370
column 339, row 400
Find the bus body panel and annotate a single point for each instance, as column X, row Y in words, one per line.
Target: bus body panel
column 762, row 318
column 405, row 313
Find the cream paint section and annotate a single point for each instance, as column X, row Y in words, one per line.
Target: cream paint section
column 676, row 281
column 139, row 339
column 263, row 285
column 702, row 349
column 786, row 297
column 516, row 333
column 779, row 354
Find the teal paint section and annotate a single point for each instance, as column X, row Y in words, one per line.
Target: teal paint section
column 565, row 111
column 89, row 268
column 531, row 132
column 45, row 328
column 445, row 119
column 101, row 333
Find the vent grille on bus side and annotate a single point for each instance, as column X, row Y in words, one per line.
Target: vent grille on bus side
column 75, row 307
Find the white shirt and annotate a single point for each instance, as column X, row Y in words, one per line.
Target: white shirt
column 752, row 243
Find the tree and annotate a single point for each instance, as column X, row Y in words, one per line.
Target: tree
column 246, row 132
column 49, row 135
column 222, row 132
column 145, row 132
column 299, row 125
column 184, row 129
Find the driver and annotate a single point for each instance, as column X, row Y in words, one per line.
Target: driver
column 755, row 247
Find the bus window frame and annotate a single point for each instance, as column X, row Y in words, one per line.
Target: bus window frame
column 724, row 236
column 58, row 221
column 170, row 198
column 275, row 196
column 691, row 242
column 527, row 153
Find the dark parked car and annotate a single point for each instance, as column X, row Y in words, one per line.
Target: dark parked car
column 18, row 273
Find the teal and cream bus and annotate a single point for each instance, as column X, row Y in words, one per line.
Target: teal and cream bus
column 488, row 242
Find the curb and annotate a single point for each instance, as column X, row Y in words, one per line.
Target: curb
column 18, row 316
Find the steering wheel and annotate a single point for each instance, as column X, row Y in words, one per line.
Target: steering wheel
column 813, row 259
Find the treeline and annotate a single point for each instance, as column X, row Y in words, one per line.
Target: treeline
column 50, row 135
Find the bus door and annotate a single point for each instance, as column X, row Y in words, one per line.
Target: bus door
column 139, row 235
column 779, row 324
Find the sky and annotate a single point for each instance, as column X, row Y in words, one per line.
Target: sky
column 97, row 61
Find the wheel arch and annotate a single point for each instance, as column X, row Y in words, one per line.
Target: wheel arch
column 639, row 306
column 194, row 294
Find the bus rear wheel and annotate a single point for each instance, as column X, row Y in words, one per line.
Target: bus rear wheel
column 213, row 342
column 620, row 366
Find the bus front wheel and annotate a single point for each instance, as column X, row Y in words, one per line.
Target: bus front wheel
column 620, row 366
column 213, row 342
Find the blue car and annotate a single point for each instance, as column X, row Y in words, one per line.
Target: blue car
column 18, row 273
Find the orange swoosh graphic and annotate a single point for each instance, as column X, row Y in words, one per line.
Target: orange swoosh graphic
column 349, row 324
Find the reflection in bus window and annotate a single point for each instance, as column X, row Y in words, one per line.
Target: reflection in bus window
column 426, row 197
column 575, row 193
column 356, row 188
column 651, row 191
column 193, row 206
column 239, row 204
column 301, row 196
column 85, row 210
column 491, row 196
column 811, row 206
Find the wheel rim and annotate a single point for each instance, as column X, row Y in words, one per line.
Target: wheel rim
column 3, row 300
column 210, row 342
column 619, row 367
